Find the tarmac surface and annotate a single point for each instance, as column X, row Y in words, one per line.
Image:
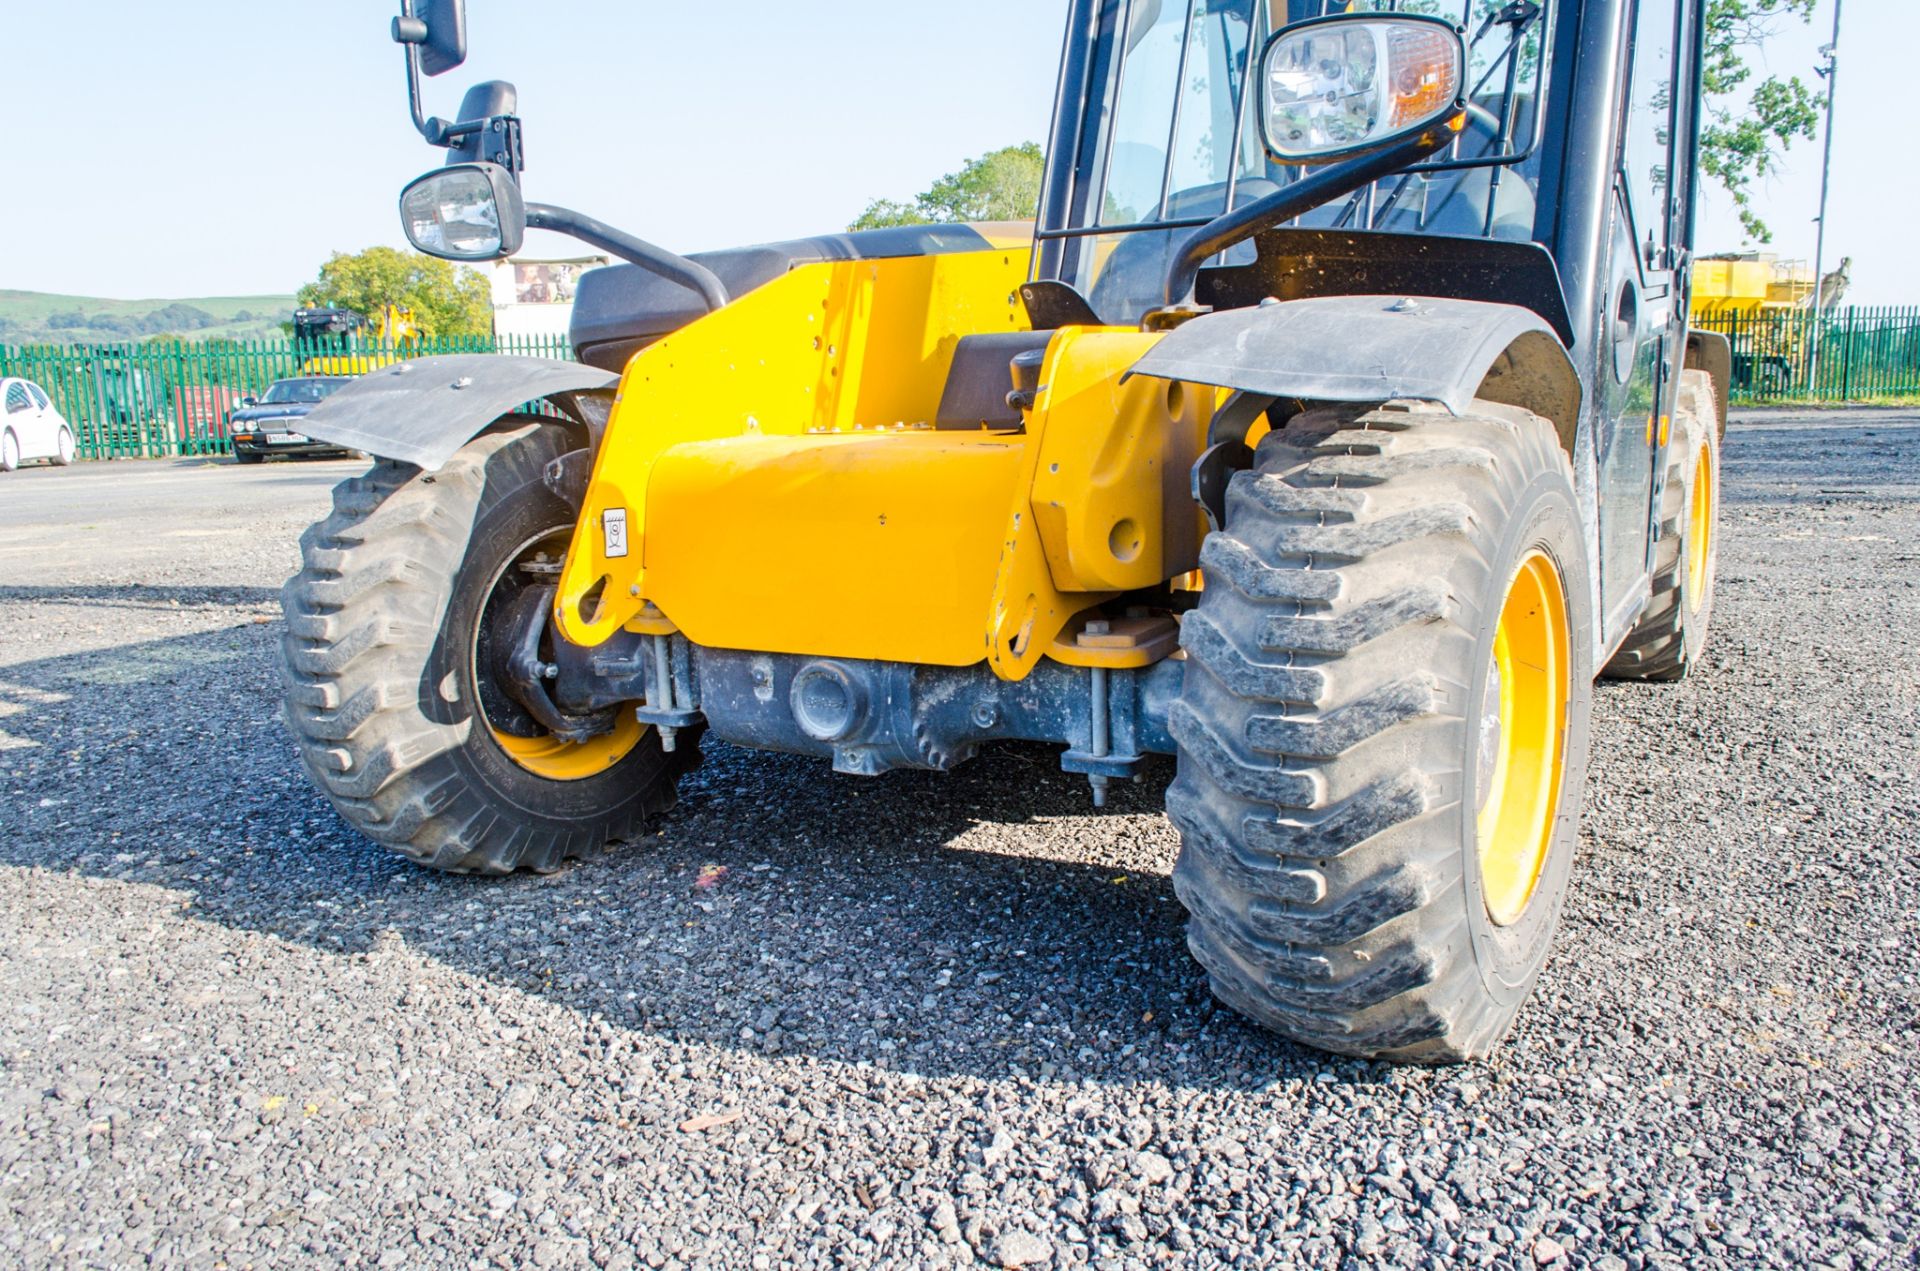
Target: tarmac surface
column 923, row 1020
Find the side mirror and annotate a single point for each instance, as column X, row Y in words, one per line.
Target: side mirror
column 445, row 45
column 1349, row 84
column 468, row 212
column 249, row 401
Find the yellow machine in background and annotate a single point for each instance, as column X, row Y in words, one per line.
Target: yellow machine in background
column 1757, row 282
column 362, row 343
column 1764, row 306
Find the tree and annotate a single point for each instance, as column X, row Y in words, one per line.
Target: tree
column 1743, row 139
column 446, row 300
column 1001, row 186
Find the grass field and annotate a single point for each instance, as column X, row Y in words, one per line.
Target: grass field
column 36, row 317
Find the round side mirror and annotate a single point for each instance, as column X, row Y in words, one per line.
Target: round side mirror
column 1345, row 85
column 469, row 211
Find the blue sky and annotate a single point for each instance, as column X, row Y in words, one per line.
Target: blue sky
column 202, row 148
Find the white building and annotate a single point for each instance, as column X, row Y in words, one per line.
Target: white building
column 535, row 297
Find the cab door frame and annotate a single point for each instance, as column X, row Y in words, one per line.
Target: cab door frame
column 1641, row 330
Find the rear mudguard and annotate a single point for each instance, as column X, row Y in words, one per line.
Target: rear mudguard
column 1376, row 349
column 1712, row 352
column 422, row 410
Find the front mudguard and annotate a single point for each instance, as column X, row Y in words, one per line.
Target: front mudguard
column 1367, row 349
column 422, row 410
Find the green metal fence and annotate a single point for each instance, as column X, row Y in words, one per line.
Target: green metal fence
column 1860, row 355
column 170, row 398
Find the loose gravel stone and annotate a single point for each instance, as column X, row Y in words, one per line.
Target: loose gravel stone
column 1020, row 1249
column 951, row 1017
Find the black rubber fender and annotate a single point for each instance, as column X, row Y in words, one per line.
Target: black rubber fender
column 422, row 410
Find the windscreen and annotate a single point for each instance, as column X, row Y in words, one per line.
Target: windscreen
column 1180, row 140
column 299, row 391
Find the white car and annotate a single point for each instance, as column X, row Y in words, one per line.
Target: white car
column 30, row 428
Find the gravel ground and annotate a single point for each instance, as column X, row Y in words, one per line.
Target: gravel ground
column 818, row 1020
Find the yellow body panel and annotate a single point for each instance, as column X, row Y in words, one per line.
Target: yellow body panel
column 1110, row 492
column 856, row 545
column 773, row 482
column 831, row 347
column 1061, row 553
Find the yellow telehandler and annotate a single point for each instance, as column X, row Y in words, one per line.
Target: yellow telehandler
column 1336, row 422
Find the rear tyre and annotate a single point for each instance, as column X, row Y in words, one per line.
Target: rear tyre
column 1671, row 634
column 1383, row 728
column 392, row 626
column 63, row 448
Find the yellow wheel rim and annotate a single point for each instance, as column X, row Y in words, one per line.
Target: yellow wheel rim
column 1700, row 532
column 558, row 760
column 546, row 755
column 1522, row 736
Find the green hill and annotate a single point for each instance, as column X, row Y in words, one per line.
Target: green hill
column 36, row 317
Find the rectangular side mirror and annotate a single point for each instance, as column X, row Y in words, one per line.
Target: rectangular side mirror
column 446, row 44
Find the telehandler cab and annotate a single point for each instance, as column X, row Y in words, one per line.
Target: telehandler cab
column 1334, row 425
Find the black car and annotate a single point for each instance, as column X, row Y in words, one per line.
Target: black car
column 270, row 425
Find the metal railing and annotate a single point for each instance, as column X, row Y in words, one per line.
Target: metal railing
column 171, row 398
column 1864, row 354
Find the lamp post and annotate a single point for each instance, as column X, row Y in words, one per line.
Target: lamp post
column 1829, row 71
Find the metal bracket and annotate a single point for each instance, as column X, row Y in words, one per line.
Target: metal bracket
column 673, row 700
column 1227, row 452
column 1236, row 415
column 567, row 477
column 526, row 675
column 1212, row 473
column 1052, row 305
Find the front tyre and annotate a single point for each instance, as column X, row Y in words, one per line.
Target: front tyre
column 63, row 448
column 394, row 629
column 1383, row 728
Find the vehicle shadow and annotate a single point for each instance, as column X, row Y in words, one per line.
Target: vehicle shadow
column 944, row 925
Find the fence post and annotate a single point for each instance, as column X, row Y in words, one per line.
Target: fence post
column 1846, row 372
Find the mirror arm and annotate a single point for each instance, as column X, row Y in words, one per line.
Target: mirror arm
column 409, row 32
column 690, row 274
column 1289, row 201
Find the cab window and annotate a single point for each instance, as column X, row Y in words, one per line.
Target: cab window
column 1647, row 149
column 1172, row 147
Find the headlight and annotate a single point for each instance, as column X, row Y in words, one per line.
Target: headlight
column 1341, row 85
column 470, row 211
